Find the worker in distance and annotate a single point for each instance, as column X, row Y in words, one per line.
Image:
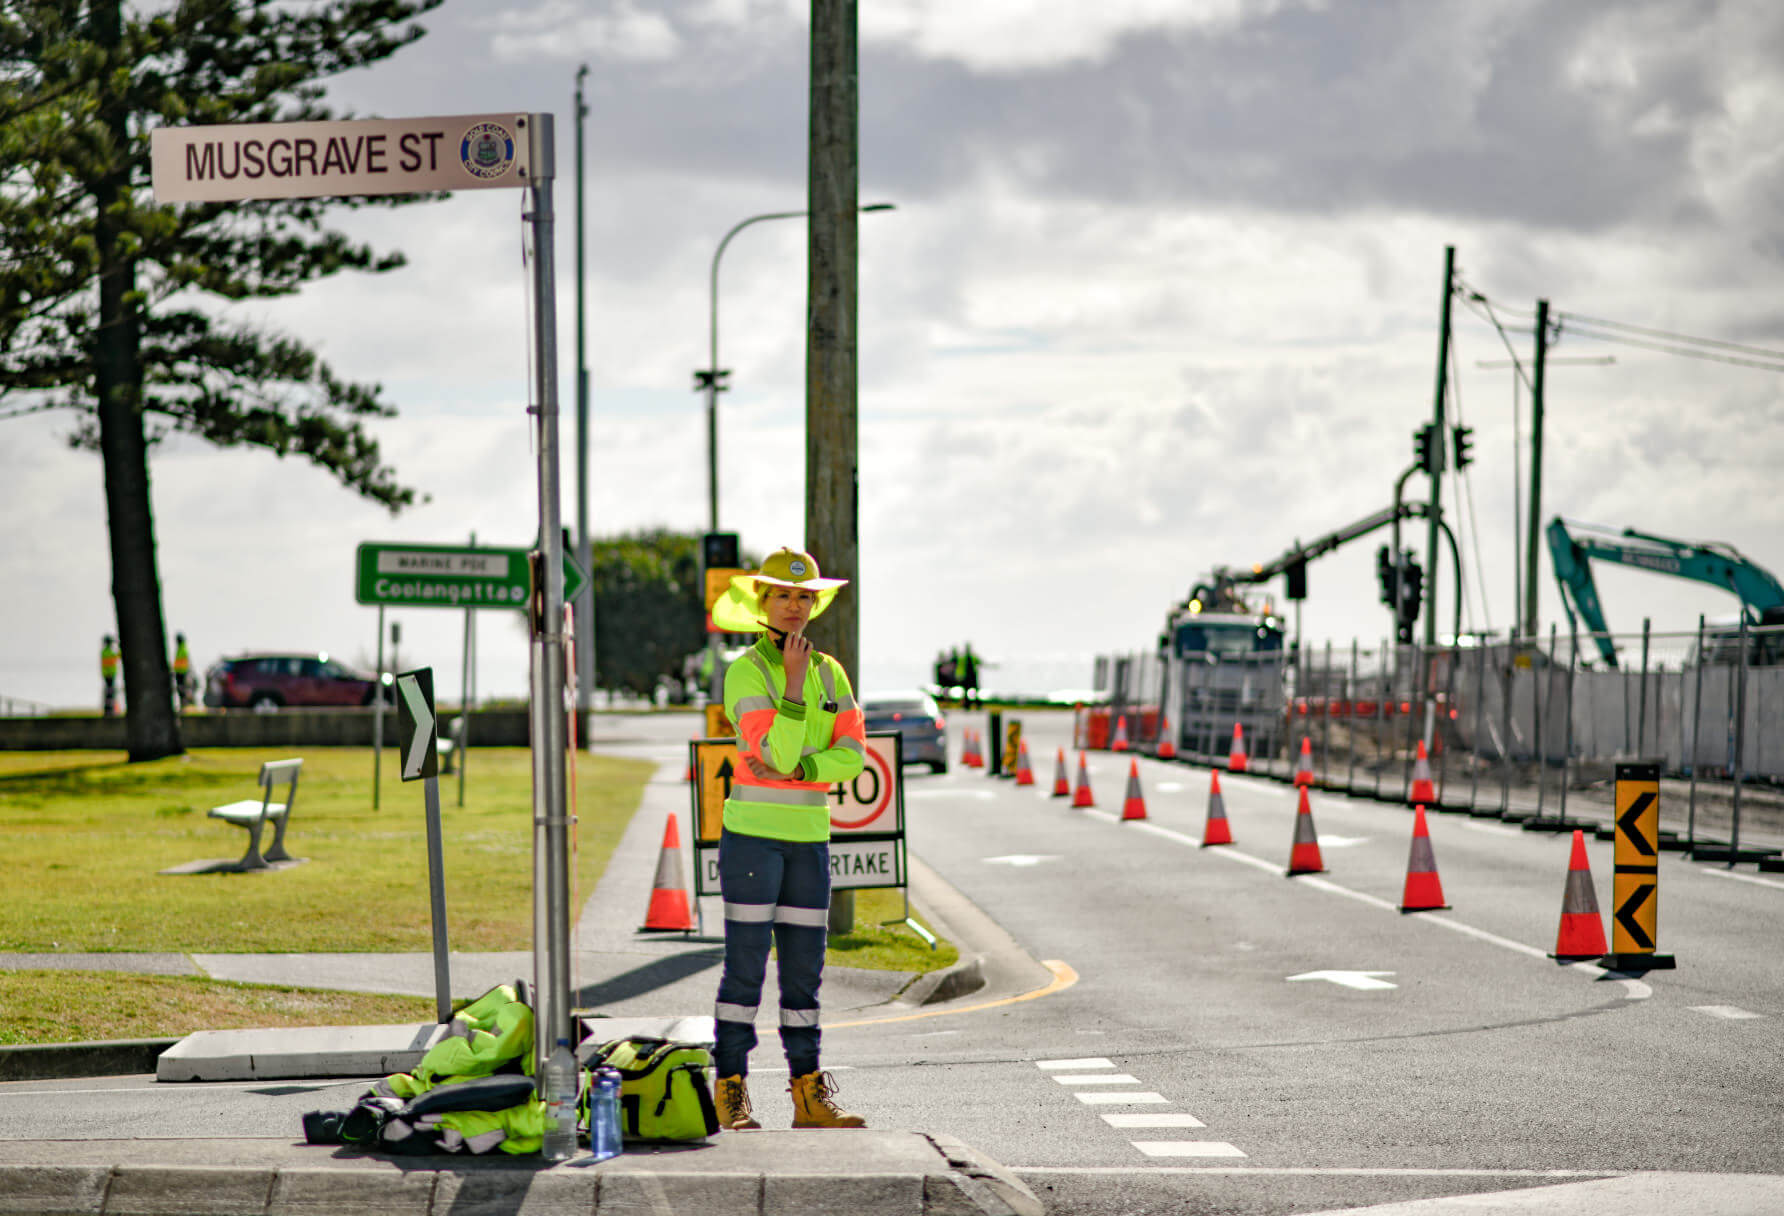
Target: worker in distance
column 799, row 732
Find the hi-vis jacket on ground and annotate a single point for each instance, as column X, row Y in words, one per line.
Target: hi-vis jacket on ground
column 822, row 738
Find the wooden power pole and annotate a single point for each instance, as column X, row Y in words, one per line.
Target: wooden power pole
column 831, row 460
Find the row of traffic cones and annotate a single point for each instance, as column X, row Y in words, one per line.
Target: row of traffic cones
column 1167, row 748
column 1423, row 791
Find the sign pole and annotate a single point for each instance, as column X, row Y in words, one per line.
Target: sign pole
column 461, row 741
column 418, row 759
column 378, row 711
column 551, row 871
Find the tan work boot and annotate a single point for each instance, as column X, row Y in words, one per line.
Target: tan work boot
column 812, row 1106
column 734, row 1105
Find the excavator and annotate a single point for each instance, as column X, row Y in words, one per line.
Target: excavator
column 1573, row 546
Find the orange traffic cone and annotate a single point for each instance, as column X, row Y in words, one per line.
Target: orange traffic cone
column 969, row 755
column 1422, row 789
column 1062, row 788
column 1304, row 857
column 1082, row 795
column 1024, row 774
column 1120, row 743
column 1424, row 890
column 1135, row 805
column 1304, row 774
column 1581, row 935
column 1236, row 757
column 1167, row 746
column 669, row 891
column 1216, row 830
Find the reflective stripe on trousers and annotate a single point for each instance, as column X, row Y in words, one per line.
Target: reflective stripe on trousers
column 776, row 892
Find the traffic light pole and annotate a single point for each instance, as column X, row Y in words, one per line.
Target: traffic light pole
column 1436, row 469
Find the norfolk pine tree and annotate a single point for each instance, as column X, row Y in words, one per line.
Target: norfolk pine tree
column 109, row 304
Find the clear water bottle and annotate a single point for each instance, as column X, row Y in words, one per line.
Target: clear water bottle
column 560, row 1103
column 605, row 1138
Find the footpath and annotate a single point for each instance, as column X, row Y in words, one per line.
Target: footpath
column 234, row 1169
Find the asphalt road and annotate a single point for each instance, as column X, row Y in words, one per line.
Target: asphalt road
column 1207, row 1067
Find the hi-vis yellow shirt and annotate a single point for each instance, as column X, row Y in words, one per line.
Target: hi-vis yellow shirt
column 821, row 738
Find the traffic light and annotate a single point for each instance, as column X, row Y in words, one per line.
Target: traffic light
column 1427, row 449
column 1296, row 576
column 1464, row 436
column 1412, row 593
column 718, row 550
column 1389, row 574
column 714, row 380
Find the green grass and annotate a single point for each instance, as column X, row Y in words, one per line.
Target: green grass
column 84, row 834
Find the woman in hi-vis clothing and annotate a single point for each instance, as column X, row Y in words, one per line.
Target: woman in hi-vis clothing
column 799, row 732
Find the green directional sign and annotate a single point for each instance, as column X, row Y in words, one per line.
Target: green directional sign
column 400, row 575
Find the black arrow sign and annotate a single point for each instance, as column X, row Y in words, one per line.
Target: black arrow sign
column 1626, row 916
column 1626, row 823
column 725, row 773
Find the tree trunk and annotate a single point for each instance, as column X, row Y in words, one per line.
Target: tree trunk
column 152, row 729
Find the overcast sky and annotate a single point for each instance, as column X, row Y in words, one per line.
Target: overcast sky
column 1161, row 292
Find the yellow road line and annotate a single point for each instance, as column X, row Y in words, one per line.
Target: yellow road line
column 1063, row 977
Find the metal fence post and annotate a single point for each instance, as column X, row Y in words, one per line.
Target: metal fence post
column 1573, row 658
column 1417, row 674
column 1696, row 727
column 1381, row 712
column 1505, row 746
column 1350, row 720
column 1480, row 703
column 1641, row 716
column 1740, row 732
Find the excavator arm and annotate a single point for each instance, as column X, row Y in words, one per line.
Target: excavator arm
column 1574, row 547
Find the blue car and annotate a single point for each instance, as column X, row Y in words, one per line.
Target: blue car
column 917, row 717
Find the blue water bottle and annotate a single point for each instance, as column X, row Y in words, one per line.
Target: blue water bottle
column 604, row 1135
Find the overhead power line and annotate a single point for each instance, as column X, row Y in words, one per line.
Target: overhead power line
column 1718, row 343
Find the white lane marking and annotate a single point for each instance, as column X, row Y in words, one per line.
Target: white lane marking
column 1363, row 981
column 1081, row 1062
column 1019, row 860
column 1169, row 787
column 1187, row 1148
column 1310, row 1171
column 1342, row 842
column 1095, row 1078
column 1752, row 878
column 1108, row 1098
column 1163, row 1118
column 1494, row 829
column 1327, row 885
column 1733, row 1013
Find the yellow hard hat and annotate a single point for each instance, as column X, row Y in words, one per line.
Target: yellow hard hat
column 739, row 610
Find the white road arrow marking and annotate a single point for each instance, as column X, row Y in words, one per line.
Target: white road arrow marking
column 410, row 688
column 1364, row 980
column 1021, row 859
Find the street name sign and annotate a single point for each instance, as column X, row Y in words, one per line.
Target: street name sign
column 324, row 159
column 400, row 575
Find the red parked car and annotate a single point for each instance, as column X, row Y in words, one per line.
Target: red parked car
column 272, row 681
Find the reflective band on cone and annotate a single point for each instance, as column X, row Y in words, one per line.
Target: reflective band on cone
column 669, row 908
column 1062, row 786
column 1134, row 807
column 1304, row 774
column 1167, row 747
column 1120, row 743
column 1024, row 774
column 1304, row 857
column 1581, row 935
column 1236, row 757
column 1424, row 890
column 1082, row 795
column 1216, row 830
column 1423, row 792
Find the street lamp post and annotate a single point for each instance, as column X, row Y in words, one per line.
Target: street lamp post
column 712, row 379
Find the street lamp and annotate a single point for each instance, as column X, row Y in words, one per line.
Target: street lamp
column 712, row 380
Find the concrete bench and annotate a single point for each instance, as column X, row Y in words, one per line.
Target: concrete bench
column 254, row 814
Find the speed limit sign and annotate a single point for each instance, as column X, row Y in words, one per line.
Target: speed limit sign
column 870, row 802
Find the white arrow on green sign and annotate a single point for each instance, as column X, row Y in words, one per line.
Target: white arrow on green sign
column 398, row 575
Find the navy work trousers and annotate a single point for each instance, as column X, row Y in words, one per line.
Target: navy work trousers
column 775, row 891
